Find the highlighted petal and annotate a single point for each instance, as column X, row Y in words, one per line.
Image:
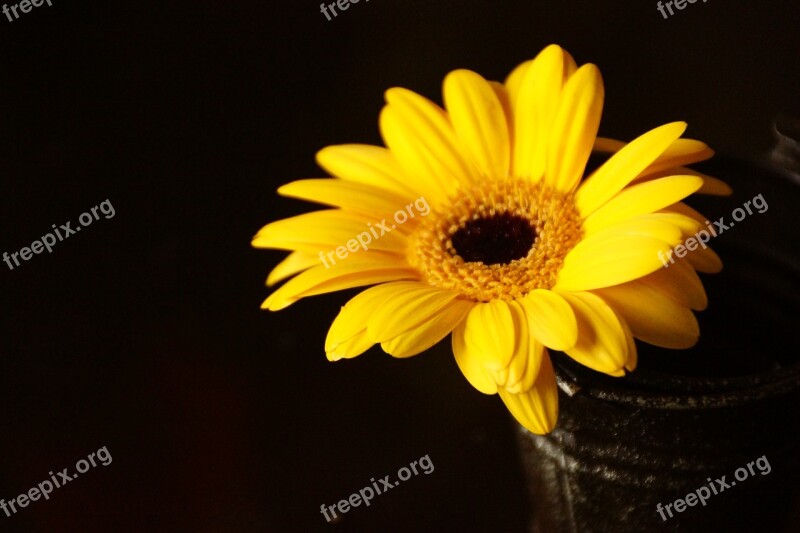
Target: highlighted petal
column 368, row 269
column 642, row 199
column 350, row 325
column 711, row 185
column 652, row 316
column 514, row 81
column 490, row 334
column 422, row 337
column 352, row 347
column 705, row 260
column 679, row 282
column 419, row 133
column 536, row 409
column 505, row 101
column 348, row 195
column 351, row 322
column 633, row 354
column 653, row 225
column 602, row 340
column 406, row 310
column 370, row 165
column 683, row 209
column 575, row 128
column 681, row 152
column 521, row 373
column 604, row 145
column 479, row 121
column 550, row 319
column 688, row 226
column 624, row 166
column 295, row 262
column 535, row 111
column 610, row 259
column 321, row 231
column 470, row 363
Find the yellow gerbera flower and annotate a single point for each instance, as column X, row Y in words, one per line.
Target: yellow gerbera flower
column 501, row 242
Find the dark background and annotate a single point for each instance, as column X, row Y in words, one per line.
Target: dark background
column 143, row 333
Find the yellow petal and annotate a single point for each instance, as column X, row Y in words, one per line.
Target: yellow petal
column 371, row 165
column 652, row 225
column 624, row 166
column 416, row 158
column 575, row 128
column 516, row 377
column 352, row 347
column 295, row 262
column 348, row 195
column 406, row 310
column 570, row 67
column 420, row 134
column 550, row 319
column 642, row 199
column 536, row 409
column 490, row 334
column 479, row 121
column 652, row 316
column 605, row 145
column 422, row 337
column 609, row 259
column 323, row 231
column 681, row 152
column 535, row 111
column 683, row 209
column 470, row 363
column 679, row 282
column 514, row 81
column 368, row 269
column 351, row 322
column 704, row 260
column 520, row 375
column 701, row 259
column 602, row 342
column 711, row 185
column 505, row 101
column 633, row 355
column 687, row 225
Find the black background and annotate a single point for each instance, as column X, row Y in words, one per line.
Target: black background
column 143, row 333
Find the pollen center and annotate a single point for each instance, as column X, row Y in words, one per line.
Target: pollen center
column 498, row 240
column 495, row 240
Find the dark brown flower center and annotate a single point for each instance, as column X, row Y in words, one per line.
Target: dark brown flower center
column 496, row 240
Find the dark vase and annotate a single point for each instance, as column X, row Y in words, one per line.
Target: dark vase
column 626, row 448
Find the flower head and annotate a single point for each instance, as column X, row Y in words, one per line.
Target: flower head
column 503, row 242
